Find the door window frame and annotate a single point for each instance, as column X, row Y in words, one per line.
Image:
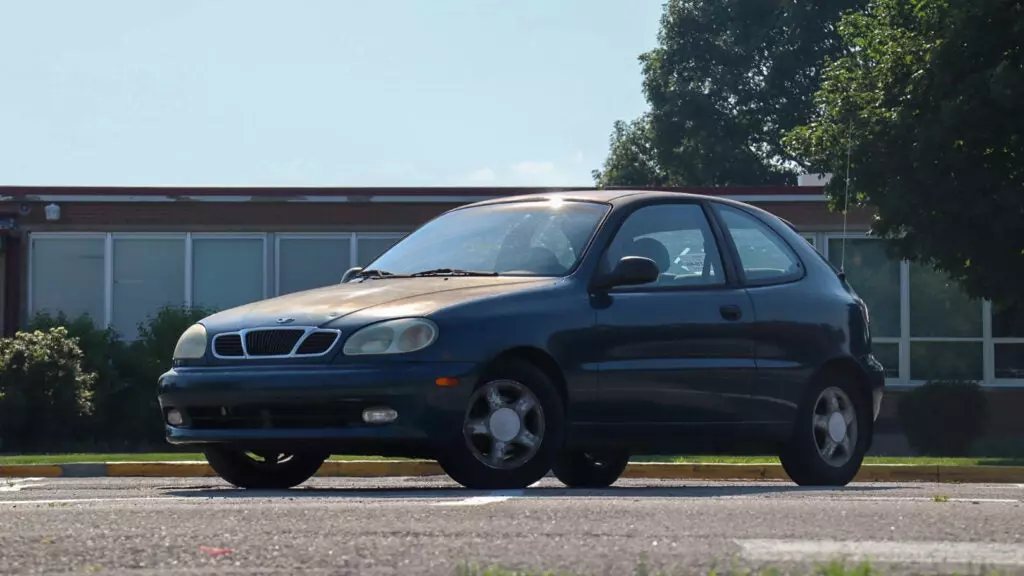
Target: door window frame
column 738, row 262
column 732, row 279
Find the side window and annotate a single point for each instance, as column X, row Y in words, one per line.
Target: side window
column 764, row 256
column 679, row 240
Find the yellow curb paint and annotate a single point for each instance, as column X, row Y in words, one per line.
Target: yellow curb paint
column 982, row 474
column 897, row 473
column 695, row 471
column 160, row 469
column 30, row 471
column 379, row 468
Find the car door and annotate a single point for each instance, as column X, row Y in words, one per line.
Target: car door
column 677, row 350
column 790, row 317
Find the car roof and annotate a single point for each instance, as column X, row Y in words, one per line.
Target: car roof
column 607, row 195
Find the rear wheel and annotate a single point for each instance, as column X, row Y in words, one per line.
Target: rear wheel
column 831, row 434
column 510, row 431
column 578, row 469
column 262, row 470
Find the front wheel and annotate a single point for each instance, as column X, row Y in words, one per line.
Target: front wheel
column 831, row 434
column 511, row 429
column 577, row 469
column 262, row 470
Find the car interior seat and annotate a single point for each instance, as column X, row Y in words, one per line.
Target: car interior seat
column 647, row 247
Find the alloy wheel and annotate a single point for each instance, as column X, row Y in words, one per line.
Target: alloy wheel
column 504, row 425
column 834, row 426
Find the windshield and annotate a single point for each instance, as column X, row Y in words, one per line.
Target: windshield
column 539, row 238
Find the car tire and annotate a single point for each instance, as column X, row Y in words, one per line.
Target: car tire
column 833, row 416
column 579, row 469
column 510, row 430
column 236, row 467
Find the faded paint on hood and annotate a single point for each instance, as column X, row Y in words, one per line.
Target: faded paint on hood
column 403, row 297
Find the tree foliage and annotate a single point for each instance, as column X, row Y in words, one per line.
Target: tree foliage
column 928, row 100
column 728, row 79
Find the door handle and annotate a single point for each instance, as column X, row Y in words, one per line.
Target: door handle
column 731, row 312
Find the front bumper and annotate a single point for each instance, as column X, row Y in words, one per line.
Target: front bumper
column 876, row 380
column 268, row 405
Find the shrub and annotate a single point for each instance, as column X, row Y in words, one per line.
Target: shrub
column 944, row 417
column 126, row 416
column 103, row 352
column 136, row 409
column 44, row 392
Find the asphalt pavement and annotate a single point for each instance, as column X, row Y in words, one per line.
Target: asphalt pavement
column 431, row 526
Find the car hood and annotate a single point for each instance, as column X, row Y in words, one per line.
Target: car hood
column 395, row 296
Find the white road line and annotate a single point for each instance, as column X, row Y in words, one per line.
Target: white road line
column 964, row 553
column 491, row 498
column 927, row 499
column 88, row 500
column 16, row 484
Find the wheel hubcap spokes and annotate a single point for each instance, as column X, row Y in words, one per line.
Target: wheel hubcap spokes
column 504, row 424
column 834, row 426
column 269, row 459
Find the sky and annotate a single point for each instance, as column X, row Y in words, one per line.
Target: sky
column 316, row 92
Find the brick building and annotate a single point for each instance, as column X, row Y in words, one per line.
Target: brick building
column 120, row 253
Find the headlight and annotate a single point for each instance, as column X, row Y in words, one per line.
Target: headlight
column 192, row 343
column 392, row 337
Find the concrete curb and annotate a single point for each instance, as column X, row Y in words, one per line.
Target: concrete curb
column 650, row 470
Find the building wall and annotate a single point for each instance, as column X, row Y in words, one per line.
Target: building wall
column 125, row 258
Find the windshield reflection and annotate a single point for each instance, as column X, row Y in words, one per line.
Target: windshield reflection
column 527, row 238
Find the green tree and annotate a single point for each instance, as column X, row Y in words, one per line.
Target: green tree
column 728, row 79
column 926, row 103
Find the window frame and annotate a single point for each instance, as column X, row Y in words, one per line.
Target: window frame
column 735, row 255
column 349, row 236
column 728, row 272
column 904, row 340
column 108, row 261
column 107, row 268
column 190, row 262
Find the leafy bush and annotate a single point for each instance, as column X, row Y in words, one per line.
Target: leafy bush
column 44, row 393
column 126, row 415
column 103, row 352
column 944, row 417
column 135, row 407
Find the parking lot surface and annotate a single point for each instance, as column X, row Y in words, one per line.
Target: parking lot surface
column 431, row 526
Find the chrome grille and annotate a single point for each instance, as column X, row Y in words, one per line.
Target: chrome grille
column 290, row 342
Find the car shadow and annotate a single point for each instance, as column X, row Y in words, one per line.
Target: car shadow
column 458, row 493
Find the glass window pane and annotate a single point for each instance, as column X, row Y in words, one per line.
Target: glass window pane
column 226, row 272
column 677, row 237
column 888, row 353
column 307, row 263
column 946, row 360
column 514, row 238
column 938, row 308
column 876, row 279
column 1007, row 321
column 369, row 248
column 1009, row 361
column 148, row 274
column 763, row 255
column 55, row 261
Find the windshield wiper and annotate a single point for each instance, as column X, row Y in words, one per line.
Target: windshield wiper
column 453, row 272
column 374, row 273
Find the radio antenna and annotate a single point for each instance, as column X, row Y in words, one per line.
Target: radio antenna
column 846, row 194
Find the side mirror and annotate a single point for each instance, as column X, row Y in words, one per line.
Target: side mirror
column 350, row 273
column 631, row 271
